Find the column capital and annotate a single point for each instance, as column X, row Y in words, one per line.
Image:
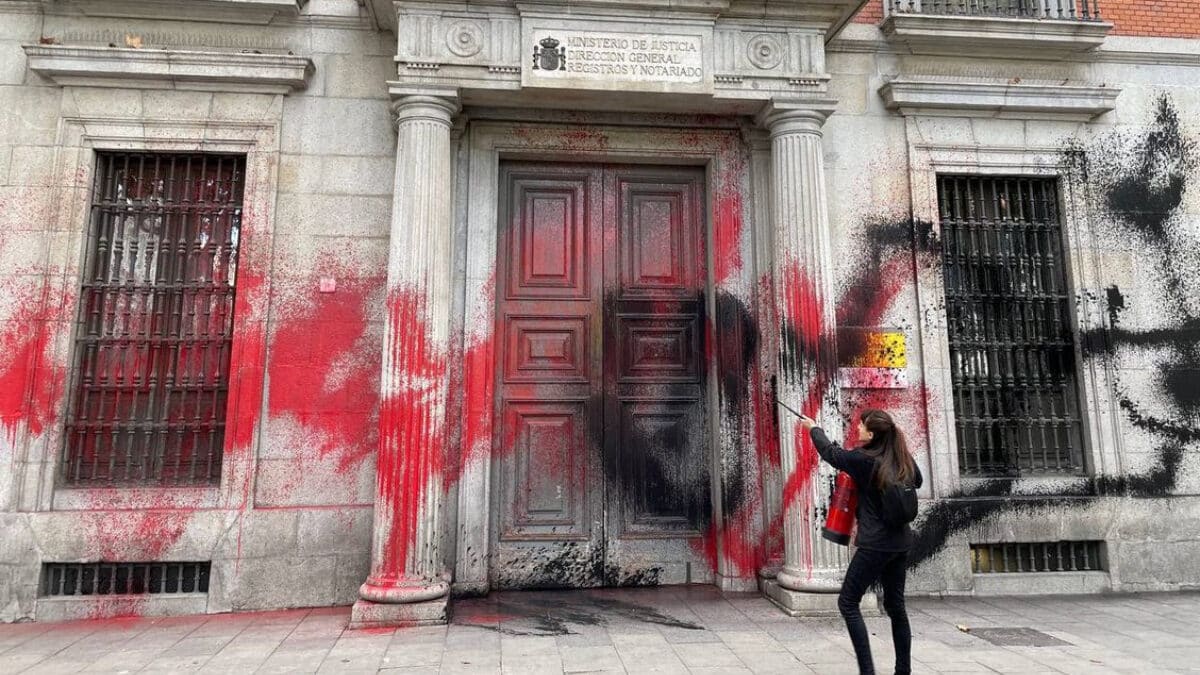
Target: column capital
column 435, row 104
column 797, row 115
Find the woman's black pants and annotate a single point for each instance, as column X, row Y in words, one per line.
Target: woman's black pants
column 866, row 568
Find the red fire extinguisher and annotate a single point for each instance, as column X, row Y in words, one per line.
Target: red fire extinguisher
column 842, row 504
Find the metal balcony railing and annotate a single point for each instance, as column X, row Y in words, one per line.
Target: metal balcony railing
column 1063, row 10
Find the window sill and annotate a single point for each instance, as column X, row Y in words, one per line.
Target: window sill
column 1041, row 583
column 992, row 36
column 1065, row 486
column 168, row 69
column 1069, row 102
column 135, row 498
column 73, row 607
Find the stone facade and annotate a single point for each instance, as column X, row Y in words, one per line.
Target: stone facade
column 363, row 450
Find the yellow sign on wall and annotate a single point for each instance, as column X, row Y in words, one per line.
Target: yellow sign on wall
column 872, row 358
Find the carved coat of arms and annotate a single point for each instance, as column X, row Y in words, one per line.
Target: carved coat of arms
column 547, row 55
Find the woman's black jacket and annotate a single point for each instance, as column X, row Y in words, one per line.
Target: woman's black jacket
column 873, row 534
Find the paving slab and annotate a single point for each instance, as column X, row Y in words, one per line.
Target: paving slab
column 694, row 630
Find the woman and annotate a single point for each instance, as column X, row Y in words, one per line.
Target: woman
column 882, row 551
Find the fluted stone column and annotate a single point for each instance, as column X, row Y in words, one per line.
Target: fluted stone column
column 408, row 583
column 807, row 381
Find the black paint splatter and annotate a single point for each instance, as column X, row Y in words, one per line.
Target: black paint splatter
column 1115, row 302
column 1146, row 192
column 551, row 613
column 737, row 333
column 1142, row 197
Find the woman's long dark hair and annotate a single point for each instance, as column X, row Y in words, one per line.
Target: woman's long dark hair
column 895, row 466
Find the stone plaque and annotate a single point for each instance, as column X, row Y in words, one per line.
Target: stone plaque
column 571, row 58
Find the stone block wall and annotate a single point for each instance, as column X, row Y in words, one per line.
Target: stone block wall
column 290, row 523
column 1127, row 181
column 289, row 526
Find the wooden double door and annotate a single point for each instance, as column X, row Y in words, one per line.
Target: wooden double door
column 602, row 462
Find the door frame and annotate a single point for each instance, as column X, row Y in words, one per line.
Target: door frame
column 734, row 194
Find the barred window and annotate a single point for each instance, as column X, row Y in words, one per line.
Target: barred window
column 155, row 321
column 1012, row 349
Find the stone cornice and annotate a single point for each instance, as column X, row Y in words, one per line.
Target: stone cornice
column 704, row 9
column 862, row 38
column 1081, row 102
column 168, row 69
column 21, row 7
column 877, row 45
column 220, row 11
column 826, row 16
column 738, row 63
column 995, row 36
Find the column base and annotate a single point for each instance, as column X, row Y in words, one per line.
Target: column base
column 470, row 589
column 808, row 603
column 770, row 570
column 736, row 584
column 367, row 614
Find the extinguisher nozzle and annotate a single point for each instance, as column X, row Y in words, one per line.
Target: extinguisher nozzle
column 835, row 537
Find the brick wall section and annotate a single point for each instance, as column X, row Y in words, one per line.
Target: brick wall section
column 1153, row 18
column 1148, row 18
column 872, row 12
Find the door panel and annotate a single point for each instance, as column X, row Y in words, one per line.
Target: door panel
column 547, row 483
column 657, row 439
column 657, row 348
column 546, row 349
column 547, row 461
column 658, row 246
column 655, row 427
column 549, row 239
column 602, row 472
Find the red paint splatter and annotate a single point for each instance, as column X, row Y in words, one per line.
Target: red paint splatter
column 908, row 405
column 863, row 304
column 866, row 301
column 803, row 307
column 738, row 541
column 375, row 630
column 478, row 391
column 324, row 371
column 127, row 536
column 412, row 440
column 573, row 139
column 727, row 236
column 120, row 611
column 247, row 363
column 766, row 427
column 134, row 536
column 31, row 381
column 727, row 209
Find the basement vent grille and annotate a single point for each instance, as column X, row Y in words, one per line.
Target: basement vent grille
column 59, row 579
column 1051, row 556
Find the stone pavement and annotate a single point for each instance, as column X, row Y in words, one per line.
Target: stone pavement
column 674, row 629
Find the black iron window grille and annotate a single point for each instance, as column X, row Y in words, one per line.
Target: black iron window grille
column 1063, row 10
column 1012, row 351
column 155, row 323
column 1054, row 556
column 124, row 578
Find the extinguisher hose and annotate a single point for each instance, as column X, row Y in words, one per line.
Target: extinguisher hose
column 787, row 407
